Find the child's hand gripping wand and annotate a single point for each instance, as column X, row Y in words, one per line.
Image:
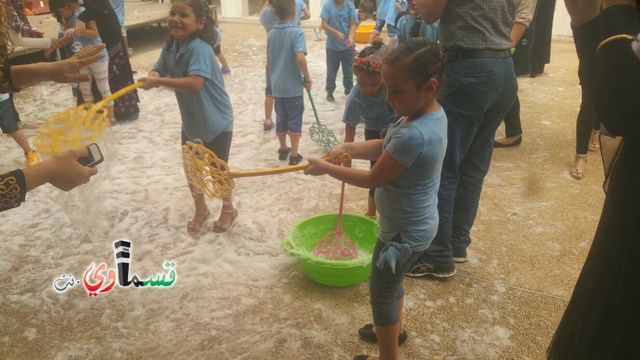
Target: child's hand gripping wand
column 77, row 127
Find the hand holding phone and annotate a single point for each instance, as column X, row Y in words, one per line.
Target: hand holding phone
column 94, row 158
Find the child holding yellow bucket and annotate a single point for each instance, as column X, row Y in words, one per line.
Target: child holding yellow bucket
column 406, row 177
column 368, row 100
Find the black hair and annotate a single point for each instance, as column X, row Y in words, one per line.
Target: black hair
column 365, row 53
column 367, row 7
column 419, row 58
column 201, row 10
column 283, row 8
column 54, row 5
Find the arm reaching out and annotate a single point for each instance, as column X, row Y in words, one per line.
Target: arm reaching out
column 65, row 71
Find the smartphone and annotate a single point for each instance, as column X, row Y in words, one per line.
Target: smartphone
column 95, row 156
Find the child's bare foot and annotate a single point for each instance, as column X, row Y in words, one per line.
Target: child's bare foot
column 226, row 220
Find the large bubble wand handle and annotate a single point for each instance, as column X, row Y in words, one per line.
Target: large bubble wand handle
column 102, row 103
column 213, row 176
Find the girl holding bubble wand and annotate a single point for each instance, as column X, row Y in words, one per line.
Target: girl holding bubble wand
column 188, row 65
column 406, row 177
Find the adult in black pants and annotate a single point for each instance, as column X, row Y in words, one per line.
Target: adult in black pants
column 120, row 73
column 586, row 39
column 602, row 319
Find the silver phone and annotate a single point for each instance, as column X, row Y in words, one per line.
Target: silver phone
column 95, row 156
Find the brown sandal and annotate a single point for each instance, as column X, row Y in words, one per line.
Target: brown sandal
column 578, row 171
column 195, row 229
column 219, row 226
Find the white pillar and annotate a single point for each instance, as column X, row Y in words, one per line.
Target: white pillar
column 234, row 8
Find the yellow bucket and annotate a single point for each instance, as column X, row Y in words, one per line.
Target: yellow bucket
column 363, row 33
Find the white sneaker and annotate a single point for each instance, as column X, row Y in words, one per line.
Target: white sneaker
column 318, row 34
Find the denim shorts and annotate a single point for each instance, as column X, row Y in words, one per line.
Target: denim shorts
column 289, row 115
column 8, row 118
column 385, row 287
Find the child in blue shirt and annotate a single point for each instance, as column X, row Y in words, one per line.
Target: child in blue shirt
column 339, row 22
column 411, row 25
column 368, row 101
column 67, row 12
column 288, row 72
column 395, row 7
column 302, row 12
column 381, row 17
column 365, row 10
column 406, row 177
column 188, row 65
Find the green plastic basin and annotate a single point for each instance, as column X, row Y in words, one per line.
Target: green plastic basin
column 302, row 238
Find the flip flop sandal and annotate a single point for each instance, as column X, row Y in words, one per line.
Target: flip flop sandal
column 195, row 229
column 366, row 333
column 219, row 227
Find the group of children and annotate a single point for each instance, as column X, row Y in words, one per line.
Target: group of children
column 391, row 84
column 395, row 90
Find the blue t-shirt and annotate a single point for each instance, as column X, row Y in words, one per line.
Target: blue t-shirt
column 393, row 12
column 284, row 42
column 81, row 41
column 408, row 205
column 300, row 6
column 268, row 18
column 118, row 8
column 408, row 22
column 376, row 111
column 339, row 19
column 206, row 113
column 383, row 8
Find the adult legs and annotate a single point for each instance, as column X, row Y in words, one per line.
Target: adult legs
column 512, row 126
column 478, row 94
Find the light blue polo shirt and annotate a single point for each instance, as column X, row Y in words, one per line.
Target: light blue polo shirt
column 406, row 23
column 338, row 19
column 392, row 13
column 376, row 111
column 300, row 6
column 268, row 18
column 383, row 8
column 206, row 113
column 408, row 205
column 284, row 42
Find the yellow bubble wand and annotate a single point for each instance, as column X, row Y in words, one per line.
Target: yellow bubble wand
column 213, row 176
column 78, row 126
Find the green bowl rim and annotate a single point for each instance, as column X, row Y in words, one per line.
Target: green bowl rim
column 293, row 250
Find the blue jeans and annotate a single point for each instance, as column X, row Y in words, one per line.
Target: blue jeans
column 336, row 58
column 478, row 93
column 385, row 287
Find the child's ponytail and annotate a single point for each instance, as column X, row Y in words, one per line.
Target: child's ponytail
column 419, row 58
